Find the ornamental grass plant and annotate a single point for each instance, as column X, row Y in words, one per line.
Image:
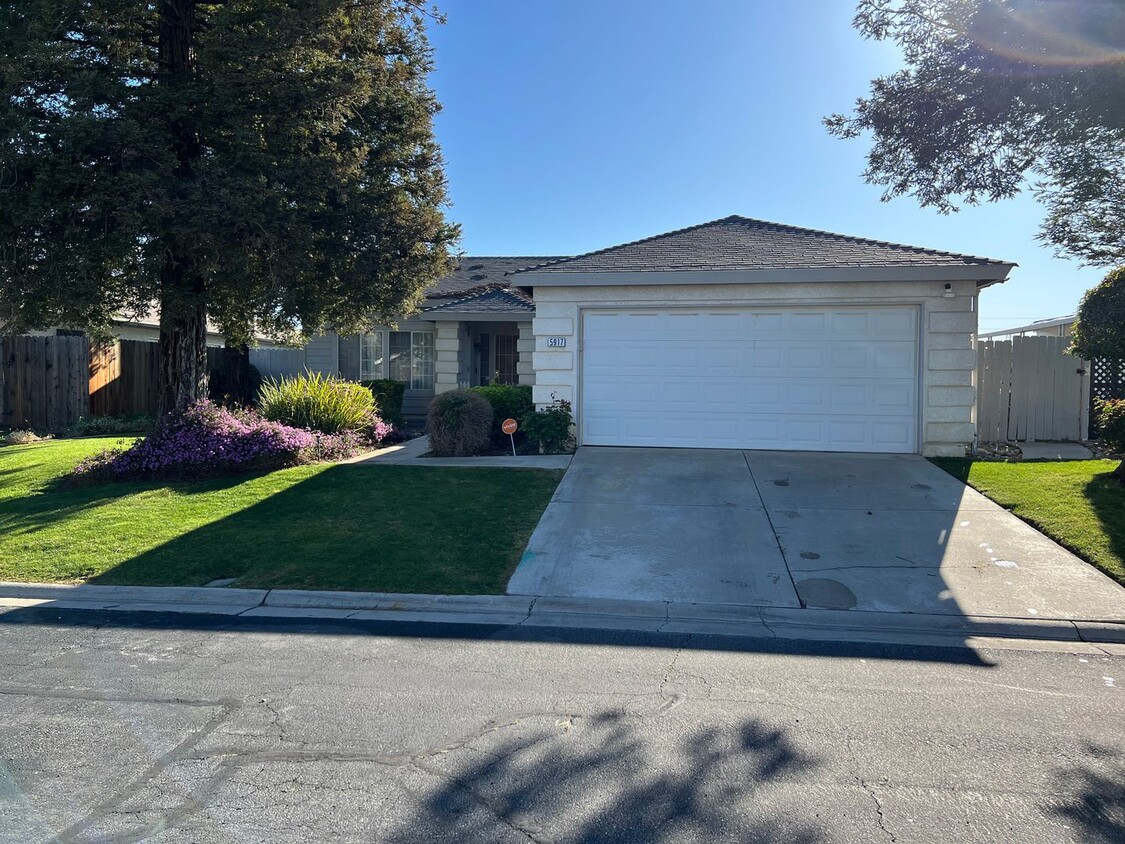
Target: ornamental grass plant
column 319, row 403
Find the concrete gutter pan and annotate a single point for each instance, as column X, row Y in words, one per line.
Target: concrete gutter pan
column 1093, row 636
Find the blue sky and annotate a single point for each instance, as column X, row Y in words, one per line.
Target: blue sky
column 571, row 125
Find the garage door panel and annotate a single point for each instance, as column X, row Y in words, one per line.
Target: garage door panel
column 829, row 379
column 895, row 358
column 896, row 324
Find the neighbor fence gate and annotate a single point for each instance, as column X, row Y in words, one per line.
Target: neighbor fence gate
column 1029, row 388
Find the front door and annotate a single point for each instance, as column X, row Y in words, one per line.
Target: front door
column 506, row 359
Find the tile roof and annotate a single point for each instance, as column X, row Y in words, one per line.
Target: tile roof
column 741, row 243
column 474, row 274
column 496, row 300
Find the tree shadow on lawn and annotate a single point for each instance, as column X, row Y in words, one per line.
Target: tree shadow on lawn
column 1106, row 495
column 612, row 777
column 362, row 528
column 61, row 497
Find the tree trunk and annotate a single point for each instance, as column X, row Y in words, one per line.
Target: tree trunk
column 183, row 351
column 183, row 304
column 1119, row 473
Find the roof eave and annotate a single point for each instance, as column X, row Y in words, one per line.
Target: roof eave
column 477, row 316
column 983, row 274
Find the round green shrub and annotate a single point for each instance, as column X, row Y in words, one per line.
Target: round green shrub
column 459, row 423
column 509, row 401
column 551, row 427
column 318, row 402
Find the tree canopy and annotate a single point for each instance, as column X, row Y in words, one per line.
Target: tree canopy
column 997, row 96
column 267, row 164
column 1100, row 329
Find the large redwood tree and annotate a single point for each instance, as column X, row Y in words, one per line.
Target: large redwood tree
column 269, row 165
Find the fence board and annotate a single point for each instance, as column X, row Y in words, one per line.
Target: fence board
column 278, row 363
column 1029, row 389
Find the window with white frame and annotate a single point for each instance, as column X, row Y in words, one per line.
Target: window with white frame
column 371, row 356
column 411, row 356
column 406, row 356
column 422, row 356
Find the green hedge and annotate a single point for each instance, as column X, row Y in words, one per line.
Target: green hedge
column 388, row 396
column 509, row 401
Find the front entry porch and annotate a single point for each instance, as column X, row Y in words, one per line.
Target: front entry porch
column 476, row 353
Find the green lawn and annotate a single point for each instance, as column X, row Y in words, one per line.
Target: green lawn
column 389, row 528
column 1075, row 503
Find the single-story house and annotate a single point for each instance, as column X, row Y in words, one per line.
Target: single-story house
column 1053, row 327
column 146, row 327
column 737, row 333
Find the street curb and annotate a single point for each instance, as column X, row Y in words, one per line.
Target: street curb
column 131, row 594
column 580, row 613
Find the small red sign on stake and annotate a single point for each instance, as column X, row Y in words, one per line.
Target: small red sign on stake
column 509, row 427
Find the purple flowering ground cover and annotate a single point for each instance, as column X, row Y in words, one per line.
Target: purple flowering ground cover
column 312, row 526
column 210, row 440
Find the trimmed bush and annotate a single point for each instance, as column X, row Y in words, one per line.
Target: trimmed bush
column 318, row 402
column 103, row 426
column 459, row 423
column 22, row 437
column 508, row 401
column 1111, row 422
column 388, row 398
column 551, row 426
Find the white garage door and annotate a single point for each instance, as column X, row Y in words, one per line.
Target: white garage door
column 839, row 379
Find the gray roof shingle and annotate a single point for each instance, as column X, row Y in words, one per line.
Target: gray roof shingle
column 741, row 243
column 474, row 274
column 496, row 300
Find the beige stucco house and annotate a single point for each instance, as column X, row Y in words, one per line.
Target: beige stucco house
column 737, row 333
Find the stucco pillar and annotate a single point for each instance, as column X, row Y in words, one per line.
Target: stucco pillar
column 525, row 348
column 447, row 361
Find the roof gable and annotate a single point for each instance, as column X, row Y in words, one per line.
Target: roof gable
column 474, row 274
column 741, row 243
column 492, row 301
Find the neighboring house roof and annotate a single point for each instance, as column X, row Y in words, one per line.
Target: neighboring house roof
column 151, row 319
column 497, row 300
column 474, row 274
column 741, row 243
column 1038, row 325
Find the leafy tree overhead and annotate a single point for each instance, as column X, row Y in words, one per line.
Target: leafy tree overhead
column 267, row 164
column 999, row 95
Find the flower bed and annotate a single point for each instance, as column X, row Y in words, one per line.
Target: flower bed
column 211, row 440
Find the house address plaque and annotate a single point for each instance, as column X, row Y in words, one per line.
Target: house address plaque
column 556, row 342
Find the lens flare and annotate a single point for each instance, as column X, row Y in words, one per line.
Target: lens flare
column 1051, row 33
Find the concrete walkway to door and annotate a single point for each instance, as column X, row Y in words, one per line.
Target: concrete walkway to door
column 887, row 533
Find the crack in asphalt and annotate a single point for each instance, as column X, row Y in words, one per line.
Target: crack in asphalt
column 878, row 807
column 232, row 760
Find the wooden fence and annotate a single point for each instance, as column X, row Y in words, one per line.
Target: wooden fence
column 1029, row 388
column 48, row 383
column 278, row 363
column 44, row 382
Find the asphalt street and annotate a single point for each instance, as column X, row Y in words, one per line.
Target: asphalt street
column 120, row 727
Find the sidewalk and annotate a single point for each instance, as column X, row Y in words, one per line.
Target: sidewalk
column 584, row 613
column 410, row 453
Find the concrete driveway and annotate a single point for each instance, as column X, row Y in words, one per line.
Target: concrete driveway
column 890, row 533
